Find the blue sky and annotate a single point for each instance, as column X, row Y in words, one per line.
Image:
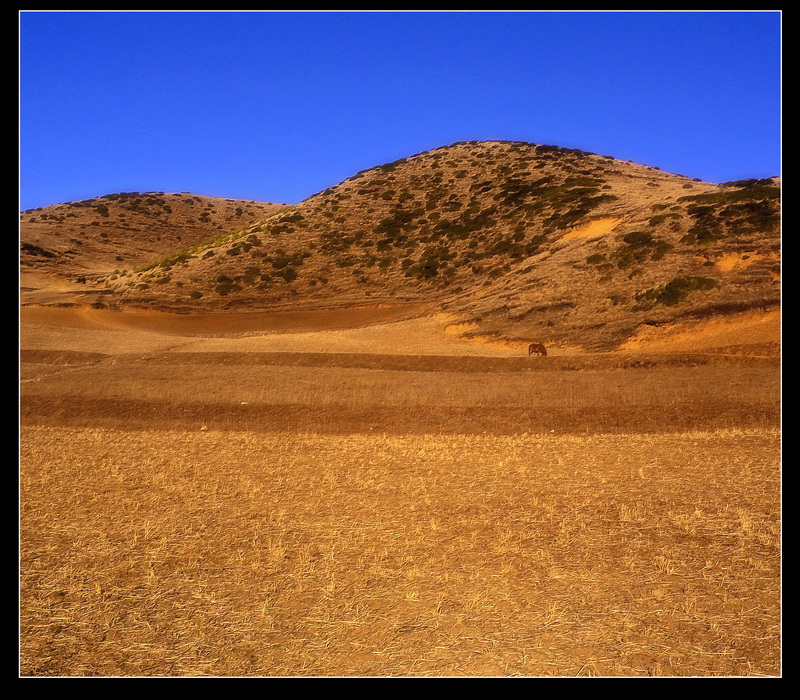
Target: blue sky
column 276, row 106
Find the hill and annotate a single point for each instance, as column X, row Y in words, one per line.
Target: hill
column 516, row 240
column 91, row 239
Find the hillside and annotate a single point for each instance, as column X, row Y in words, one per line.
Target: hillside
column 91, row 239
column 516, row 240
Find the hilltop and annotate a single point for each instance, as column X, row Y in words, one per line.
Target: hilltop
column 517, row 240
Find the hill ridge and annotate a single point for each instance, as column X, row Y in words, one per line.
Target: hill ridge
column 519, row 239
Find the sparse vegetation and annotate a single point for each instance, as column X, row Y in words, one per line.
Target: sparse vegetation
column 749, row 208
column 469, row 215
column 639, row 246
column 675, row 291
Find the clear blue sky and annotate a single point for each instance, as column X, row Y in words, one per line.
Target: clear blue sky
column 276, row 106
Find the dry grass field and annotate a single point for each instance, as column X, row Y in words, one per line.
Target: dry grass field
column 369, row 494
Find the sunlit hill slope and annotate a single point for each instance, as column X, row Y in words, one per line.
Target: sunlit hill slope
column 516, row 240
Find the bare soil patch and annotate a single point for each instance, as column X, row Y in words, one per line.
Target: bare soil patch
column 753, row 333
column 598, row 227
column 403, row 329
column 220, row 324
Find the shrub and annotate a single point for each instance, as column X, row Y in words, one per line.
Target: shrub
column 250, row 274
column 699, row 235
column 427, row 268
column 33, row 249
column 638, row 247
column 226, row 288
column 759, row 191
column 676, row 290
column 750, row 182
column 638, row 239
column 659, row 219
column 661, row 250
column 289, row 274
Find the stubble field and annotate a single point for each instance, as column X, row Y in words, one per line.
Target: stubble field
column 372, row 498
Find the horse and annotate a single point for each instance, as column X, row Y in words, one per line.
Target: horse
column 537, row 348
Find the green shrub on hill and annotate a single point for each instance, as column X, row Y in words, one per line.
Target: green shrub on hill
column 741, row 211
column 674, row 291
column 225, row 288
column 639, row 246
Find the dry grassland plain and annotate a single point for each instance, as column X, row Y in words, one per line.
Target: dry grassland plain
column 371, row 495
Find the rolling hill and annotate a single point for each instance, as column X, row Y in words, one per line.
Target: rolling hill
column 94, row 237
column 516, row 240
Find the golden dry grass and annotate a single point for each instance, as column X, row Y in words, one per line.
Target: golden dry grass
column 210, row 505
column 212, row 553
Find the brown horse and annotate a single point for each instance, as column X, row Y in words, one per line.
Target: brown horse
column 537, row 348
